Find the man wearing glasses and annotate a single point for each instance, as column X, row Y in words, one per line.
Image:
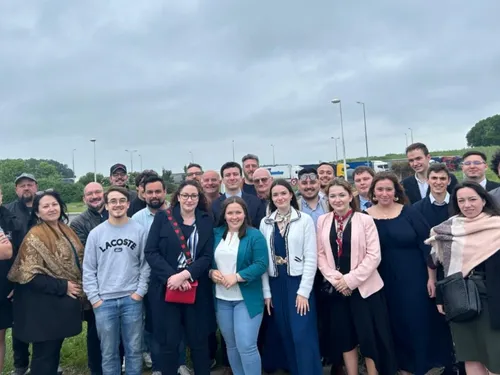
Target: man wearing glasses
column 118, row 177
column 474, row 167
column 194, row 172
column 310, row 200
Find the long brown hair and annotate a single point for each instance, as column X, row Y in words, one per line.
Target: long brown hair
column 399, row 192
column 347, row 187
column 222, row 218
column 202, row 200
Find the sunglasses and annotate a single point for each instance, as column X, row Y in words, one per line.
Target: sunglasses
column 308, row 176
column 263, row 180
column 41, row 192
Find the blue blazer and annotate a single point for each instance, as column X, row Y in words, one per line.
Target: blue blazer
column 252, row 262
column 256, row 208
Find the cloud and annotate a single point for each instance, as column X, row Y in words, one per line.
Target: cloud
column 167, row 78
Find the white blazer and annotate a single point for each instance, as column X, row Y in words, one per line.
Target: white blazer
column 301, row 247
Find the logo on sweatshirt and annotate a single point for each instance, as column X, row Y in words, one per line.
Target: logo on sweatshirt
column 118, row 243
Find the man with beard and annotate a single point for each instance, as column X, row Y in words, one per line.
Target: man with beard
column 194, row 172
column 250, row 164
column 310, row 201
column 139, row 203
column 93, row 197
column 326, row 175
column 118, row 177
column 210, row 183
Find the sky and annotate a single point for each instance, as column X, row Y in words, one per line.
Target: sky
column 182, row 80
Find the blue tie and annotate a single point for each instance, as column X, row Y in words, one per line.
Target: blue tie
column 368, row 204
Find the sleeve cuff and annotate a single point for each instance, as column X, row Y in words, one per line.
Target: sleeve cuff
column 142, row 292
column 94, row 300
column 304, row 292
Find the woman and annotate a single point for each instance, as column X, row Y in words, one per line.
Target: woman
column 47, row 270
column 470, row 242
column 290, row 237
column 179, row 251
column 420, row 337
column 240, row 261
column 348, row 257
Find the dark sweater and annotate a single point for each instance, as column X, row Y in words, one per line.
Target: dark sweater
column 433, row 214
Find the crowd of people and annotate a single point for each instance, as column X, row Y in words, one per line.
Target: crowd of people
column 332, row 275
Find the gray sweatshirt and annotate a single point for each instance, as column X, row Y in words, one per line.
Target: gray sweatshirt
column 114, row 265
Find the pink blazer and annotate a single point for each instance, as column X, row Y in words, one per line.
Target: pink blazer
column 365, row 254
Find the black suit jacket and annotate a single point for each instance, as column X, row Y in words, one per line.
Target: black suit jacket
column 256, row 208
column 490, row 185
column 412, row 191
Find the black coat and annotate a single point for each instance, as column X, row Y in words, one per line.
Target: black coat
column 162, row 250
column 412, row 190
column 490, row 185
column 22, row 215
column 14, row 234
column 256, row 208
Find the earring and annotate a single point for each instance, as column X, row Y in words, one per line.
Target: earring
column 396, row 199
column 374, row 199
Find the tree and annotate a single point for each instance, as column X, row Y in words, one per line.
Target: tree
column 89, row 177
column 10, row 169
column 402, row 169
column 167, row 177
column 485, row 133
column 62, row 169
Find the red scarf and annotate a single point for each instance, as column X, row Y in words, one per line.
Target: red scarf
column 340, row 220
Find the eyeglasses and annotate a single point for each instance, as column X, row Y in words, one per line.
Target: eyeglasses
column 308, row 176
column 263, row 180
column 41, row 192
column 192, row 174
column 193, row 197
column 475, row 162
column 115, row 202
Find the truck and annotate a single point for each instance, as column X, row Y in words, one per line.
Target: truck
column 287, row 172
column 376, row 165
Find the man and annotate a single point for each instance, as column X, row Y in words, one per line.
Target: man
column 363, row 177
column 139, row 203
column 231, row 173
column 115, row 280
column 474, row 167
column 495, row 167
column 210, row 183
column 93, row 197
column 118, row 177
column 326, row 175
column 250, row 164
column 262, row 180
column 416, row 187
column 310, row 201
column 194, row 172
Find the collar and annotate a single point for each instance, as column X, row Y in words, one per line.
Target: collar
column 420, row 181
column 362, row 200
column 294, row 215
column 238, row 194
column 433, row 200
column 483, row 183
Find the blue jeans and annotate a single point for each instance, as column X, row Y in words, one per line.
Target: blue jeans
column 240, row 333
column 115, row 317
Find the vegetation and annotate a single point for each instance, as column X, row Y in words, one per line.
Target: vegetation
column 485, row 133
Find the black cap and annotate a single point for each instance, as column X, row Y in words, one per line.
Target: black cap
column 115, row 167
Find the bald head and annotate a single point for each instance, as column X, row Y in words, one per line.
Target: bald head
column 93, row 196
column 210, row 182
column 262, row 180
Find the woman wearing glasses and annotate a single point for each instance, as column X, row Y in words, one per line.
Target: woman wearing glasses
column 291, row 240
column 180, row 251
column 48, row 277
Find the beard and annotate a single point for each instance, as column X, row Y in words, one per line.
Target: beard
column 155, row 204
column 27, row 197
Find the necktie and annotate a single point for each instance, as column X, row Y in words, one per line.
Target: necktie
column 368, row 204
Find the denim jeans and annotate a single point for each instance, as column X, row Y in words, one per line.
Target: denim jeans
column 240, row 333
column 115, row 317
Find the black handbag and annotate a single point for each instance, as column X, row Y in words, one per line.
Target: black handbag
column 461, row 298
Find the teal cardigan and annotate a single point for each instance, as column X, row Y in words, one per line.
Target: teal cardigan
column 251, row 263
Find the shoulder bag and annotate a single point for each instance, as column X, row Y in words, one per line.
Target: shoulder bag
column 461, row 298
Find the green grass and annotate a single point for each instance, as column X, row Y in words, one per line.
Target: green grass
column 76, row 207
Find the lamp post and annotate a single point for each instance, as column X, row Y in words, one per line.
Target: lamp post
column 274, row 158
column 411, row 134
column 93, row 140
column 74, row 174
column 131, row 159
column 338, row 101
column 336, row 153
column 192, row 157
column 406, row 138
column 234, row 159
column 140, row 159
column 366, row 134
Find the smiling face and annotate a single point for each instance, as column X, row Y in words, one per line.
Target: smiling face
column 474, row 167
column 418, row 161
column 326, row 175
column 154, row 194
column 363, row 182
column 232, row 179
column 210, row 182
column 119, row 178
column 117, row 205
column 49, row 209
column 281, row 197
column 189, row 198
column 438, row 182
column 469, row 202
column 235, row 216
column 249, row 167
column 262, row 181
column 26, row 189
column 384, row 192
column 309, row 185
column 339, row 199
column 194, row 173
column 93, row 196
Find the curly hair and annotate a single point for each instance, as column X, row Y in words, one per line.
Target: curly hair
column 495, row 161
column 399, row 192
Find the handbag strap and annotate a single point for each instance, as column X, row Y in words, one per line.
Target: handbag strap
column 77, row 260
column 184, row 247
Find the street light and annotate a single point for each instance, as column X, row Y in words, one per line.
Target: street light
column 406, row 138
column 140, row 158
column 233, row 151
column 131, row 159
column 93, row 140
column 411, row 133
column 336, row 153
column 192, row 157
column 366, row 134
column 274, row 159
column 74, row 174
column 337, row 101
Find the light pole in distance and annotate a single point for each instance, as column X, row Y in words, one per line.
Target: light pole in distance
column 93, row 140
column 339, row 102
column 366, row 134
column 131, row 159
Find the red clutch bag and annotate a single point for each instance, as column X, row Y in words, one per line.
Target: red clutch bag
column 187, row 297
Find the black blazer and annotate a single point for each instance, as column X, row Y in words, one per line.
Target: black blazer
column 412, row 191
column 256, row 208
column 490, row 185
column 162, row 250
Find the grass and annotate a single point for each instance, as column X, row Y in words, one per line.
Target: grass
column 76, row 207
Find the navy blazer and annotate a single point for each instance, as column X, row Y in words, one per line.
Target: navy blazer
column 256, row 208
column 490, row 185
column 412, row 190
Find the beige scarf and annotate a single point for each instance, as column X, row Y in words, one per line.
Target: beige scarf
column 45, row 251
column 460, row 244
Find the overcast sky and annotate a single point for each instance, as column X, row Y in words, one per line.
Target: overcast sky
column 170, row 77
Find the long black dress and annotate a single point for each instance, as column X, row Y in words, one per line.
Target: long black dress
column 420, row 336
column 359, row 321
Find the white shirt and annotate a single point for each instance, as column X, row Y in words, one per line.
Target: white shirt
column 226, row 255
column 423, row 186
column 483, row 183
column 433, row 200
